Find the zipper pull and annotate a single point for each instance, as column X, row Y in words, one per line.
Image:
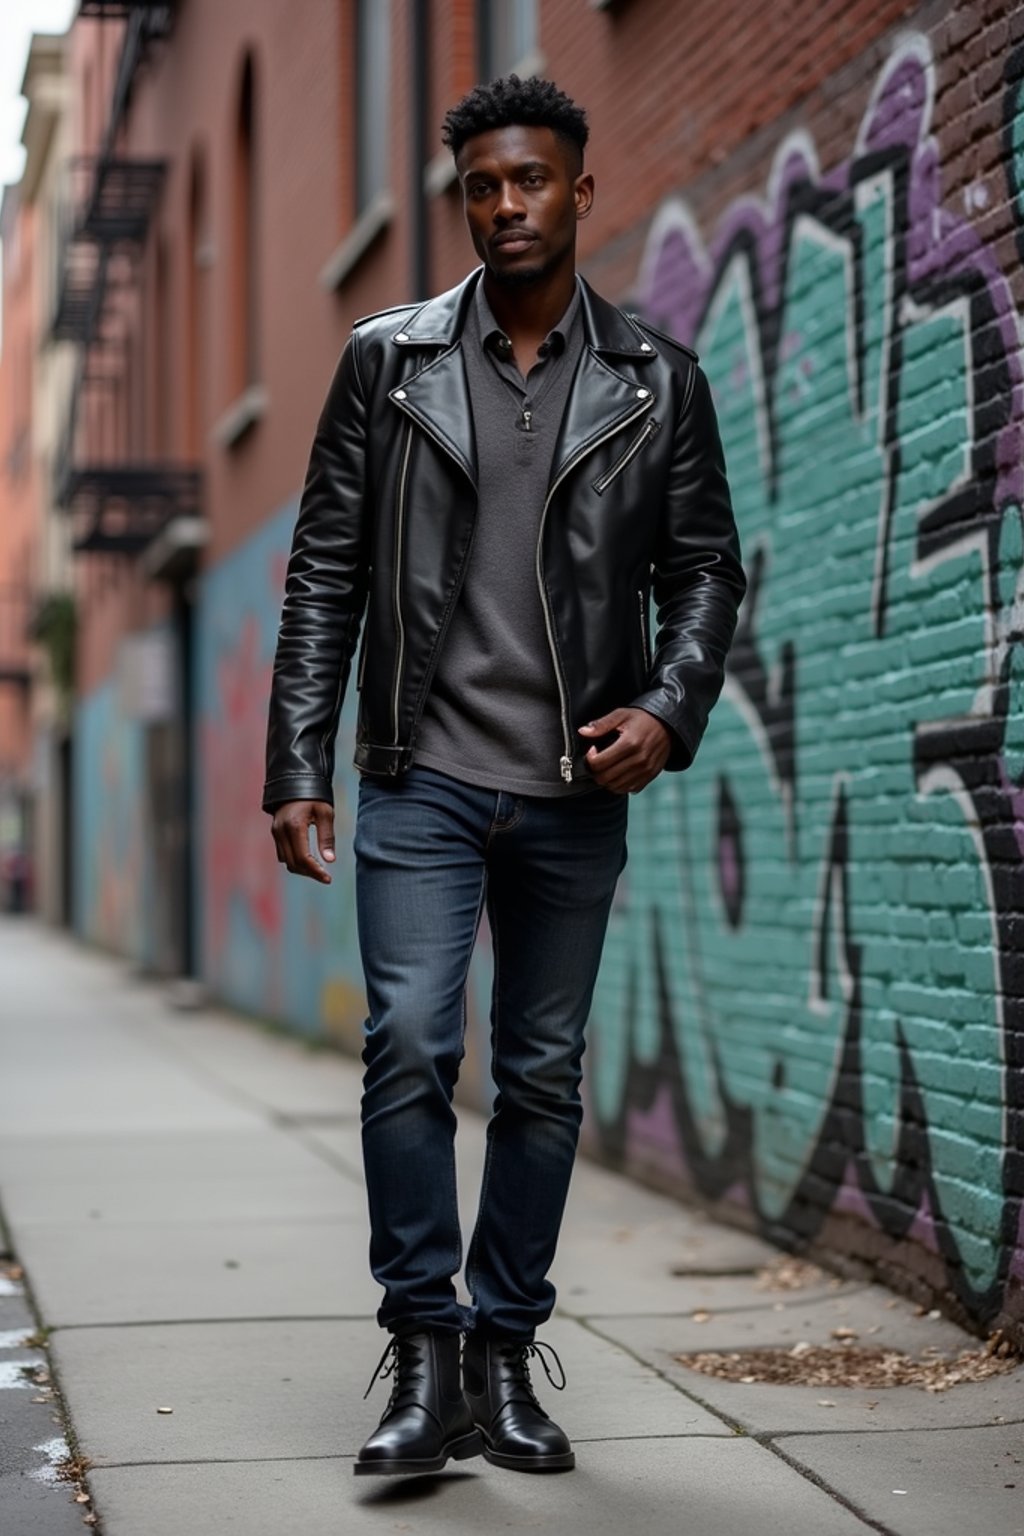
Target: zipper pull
column 527, row 418
column 565, row 764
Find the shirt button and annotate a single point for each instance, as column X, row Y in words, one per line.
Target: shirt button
column 399, row 394
column 642, row 394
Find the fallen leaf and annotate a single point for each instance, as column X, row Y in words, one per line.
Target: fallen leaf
column 702, row 1317
column 81, row 1498
column 825, row 1402
column 165, row 1410
column 844, row 1333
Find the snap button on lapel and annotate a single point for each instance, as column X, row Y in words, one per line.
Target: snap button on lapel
column 402, row 336
column 645, row 346
column 399, row 394
column 642, row 394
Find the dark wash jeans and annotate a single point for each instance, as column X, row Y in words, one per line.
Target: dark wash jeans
column 430, row 854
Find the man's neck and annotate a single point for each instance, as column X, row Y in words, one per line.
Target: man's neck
column 527, row 312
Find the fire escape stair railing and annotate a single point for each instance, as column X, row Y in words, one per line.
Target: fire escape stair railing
column 109, row 10
column 121, row 508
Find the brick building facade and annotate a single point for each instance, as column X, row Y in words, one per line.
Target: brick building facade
column 810, row 1004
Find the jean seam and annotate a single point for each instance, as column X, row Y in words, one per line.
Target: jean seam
column 506, row 826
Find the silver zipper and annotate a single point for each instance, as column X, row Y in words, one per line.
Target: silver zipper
column 527, row 418
column 362, row 657
column 399, row 623
column 645, row 644
column 565, row 762
column 650, row 430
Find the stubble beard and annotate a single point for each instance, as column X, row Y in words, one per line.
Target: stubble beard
column 526, row 276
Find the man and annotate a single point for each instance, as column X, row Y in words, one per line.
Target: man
column 499, row 477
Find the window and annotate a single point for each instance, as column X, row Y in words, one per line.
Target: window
column 244, row 228
column 506, row 37
column 373, row 100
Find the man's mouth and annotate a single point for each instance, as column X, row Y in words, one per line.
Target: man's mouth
column 512, row 241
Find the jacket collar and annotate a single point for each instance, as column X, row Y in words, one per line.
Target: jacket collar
column 439, row 322
column 601, row 400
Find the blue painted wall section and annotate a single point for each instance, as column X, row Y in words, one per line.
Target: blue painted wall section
column 273, row 945
column 113, row 872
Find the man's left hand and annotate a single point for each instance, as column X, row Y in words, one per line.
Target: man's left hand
column 636, row 756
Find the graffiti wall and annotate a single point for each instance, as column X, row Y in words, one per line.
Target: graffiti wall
column 281, row 948
column 813, row 1006
column 113, row 887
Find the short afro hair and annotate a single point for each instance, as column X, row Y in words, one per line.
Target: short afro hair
column 511, row 103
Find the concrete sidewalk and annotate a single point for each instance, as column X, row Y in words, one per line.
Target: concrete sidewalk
column 184, row 1194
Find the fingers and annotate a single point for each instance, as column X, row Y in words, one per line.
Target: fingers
column 290, row 829
column 323, row 820
column 609, row 722
column 636, row 756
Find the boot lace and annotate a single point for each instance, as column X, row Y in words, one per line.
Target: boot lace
column 403, row 1360
column 518, row 1356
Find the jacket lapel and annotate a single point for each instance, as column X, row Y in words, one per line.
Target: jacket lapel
column 600, row 403
column 437, row 399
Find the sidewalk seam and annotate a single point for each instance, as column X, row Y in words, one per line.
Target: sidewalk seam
column 741, row 1433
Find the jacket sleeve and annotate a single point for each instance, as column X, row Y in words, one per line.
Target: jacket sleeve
column 325, row 591
column 698, row 580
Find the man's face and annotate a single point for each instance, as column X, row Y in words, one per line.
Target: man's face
column 523, row 196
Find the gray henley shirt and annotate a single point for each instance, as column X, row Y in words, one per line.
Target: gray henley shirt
column 492, row 716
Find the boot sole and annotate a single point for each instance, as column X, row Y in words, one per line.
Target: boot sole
column 562, row 1463
column 456, row 1450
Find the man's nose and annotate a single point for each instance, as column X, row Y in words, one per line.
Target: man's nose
column 509, row 204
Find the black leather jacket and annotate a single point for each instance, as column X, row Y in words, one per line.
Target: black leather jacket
column 637, row 497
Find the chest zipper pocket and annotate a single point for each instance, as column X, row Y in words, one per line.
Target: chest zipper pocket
column 649, row 430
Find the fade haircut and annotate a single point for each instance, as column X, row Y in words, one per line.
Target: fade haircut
column 513, row 103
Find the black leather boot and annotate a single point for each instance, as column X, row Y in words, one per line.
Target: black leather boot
column 427, row 1419
column 516, row 1431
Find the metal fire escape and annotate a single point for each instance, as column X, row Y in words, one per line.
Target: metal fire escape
column 117, row 506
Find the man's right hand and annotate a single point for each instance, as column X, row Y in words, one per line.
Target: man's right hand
column 290, row 829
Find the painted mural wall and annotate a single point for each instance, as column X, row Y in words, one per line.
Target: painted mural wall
column 281, row 948
column 814, row 1009
column 112, row 897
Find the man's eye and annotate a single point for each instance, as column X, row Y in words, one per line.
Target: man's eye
column 534, row 181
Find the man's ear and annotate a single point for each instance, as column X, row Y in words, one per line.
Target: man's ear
column 583, row 193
